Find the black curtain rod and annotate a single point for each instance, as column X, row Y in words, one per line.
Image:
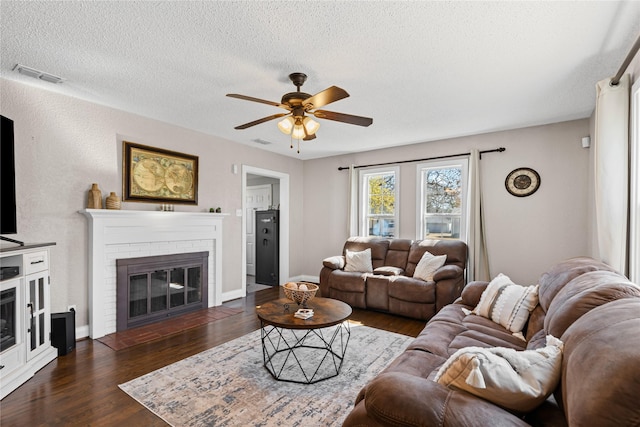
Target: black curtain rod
column 627, row 61
column 496, row 150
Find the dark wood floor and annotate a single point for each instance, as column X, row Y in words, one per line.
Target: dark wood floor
column 81, row 388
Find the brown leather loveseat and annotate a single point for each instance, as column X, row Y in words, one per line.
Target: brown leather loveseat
column 392, row 287
column 593, row 310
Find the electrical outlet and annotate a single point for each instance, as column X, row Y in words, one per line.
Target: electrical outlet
column 72, row 308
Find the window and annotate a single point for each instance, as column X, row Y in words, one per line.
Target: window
column 379, row 202
column 442, row 191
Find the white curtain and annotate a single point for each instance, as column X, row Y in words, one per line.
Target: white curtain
column 352, row 208
column 634, row 208
column 478, row 263
column 611, row 159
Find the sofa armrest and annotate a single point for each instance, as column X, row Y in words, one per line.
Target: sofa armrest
column 447, row 272
column 472, row 292
column 335, row 262
column 397, row 398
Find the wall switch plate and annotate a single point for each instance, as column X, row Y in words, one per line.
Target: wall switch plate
column 238, row 212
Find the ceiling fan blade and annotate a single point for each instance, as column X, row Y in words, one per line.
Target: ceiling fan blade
column 262, row 120
column 327, row 96
column 309, row 137
column 262, row 101
column 341, row 117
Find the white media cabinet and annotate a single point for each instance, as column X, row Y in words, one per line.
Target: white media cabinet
column 26, row 314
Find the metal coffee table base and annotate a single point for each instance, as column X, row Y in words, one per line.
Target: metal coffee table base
column 304, row 356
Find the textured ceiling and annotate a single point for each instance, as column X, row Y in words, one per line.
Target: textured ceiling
column 423, row 70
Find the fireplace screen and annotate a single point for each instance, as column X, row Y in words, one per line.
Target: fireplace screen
column 154, row 288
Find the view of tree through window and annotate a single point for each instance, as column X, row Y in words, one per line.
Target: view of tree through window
column 443, row 190
column 442, row 202
column 380, row 199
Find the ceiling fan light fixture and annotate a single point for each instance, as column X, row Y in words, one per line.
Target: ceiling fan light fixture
column 298, row 130
column 310, row 125
column 286, row 125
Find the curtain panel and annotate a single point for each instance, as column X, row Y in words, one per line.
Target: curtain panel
column 612, row 172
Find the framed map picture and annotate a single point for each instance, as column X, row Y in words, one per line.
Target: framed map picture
column 155, row 175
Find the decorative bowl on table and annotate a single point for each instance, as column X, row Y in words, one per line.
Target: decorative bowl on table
column 300, row 292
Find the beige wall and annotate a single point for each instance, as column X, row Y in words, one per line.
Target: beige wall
column 64, row 144
column 525, row 235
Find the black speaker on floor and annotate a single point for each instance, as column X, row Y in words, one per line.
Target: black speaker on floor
column 63, row 331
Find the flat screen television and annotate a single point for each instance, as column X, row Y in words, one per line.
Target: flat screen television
column 8, row 221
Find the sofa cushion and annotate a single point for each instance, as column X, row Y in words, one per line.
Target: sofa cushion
column 455, row 251
column 398, row 252
column 552, row 281
column 358, row 261
column 506, row 303
column 349, row 281
column 601, row 375
column 413, row 290
column 516, row 380
column 428, row 265
column 583, row 294
column 452, row 330
column 377, row 296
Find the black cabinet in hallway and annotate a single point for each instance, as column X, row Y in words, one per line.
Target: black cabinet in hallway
column 267, row 247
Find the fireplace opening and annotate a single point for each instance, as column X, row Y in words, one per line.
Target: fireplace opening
column 7, row 318
column 149, row 289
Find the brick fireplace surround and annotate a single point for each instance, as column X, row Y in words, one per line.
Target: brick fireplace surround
column 118, row 234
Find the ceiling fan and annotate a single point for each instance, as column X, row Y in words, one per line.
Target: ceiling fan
column 300, row 105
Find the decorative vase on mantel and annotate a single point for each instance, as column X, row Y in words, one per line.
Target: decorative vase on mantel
column 113, row 201
column 95, row 198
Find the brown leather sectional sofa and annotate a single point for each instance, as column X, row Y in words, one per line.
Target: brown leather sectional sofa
column 391, row 287
column 592, row 309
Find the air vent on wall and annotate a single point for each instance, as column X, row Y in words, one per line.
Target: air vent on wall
column 37, row 74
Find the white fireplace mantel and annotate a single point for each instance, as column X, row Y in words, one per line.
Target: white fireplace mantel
column 117, row 234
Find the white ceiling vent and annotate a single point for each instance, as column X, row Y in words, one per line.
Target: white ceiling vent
column 37, row 74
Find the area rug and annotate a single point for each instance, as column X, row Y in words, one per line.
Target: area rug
column 142, row 334
column 229, row 386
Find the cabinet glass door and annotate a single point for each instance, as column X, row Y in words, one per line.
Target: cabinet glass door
column 38, row 321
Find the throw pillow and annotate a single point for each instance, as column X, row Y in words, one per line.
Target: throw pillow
column 515, row 380
column 506, row 303
column 359, row 261
column 428, row 265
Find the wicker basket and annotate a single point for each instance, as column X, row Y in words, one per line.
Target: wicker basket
column 301, row 296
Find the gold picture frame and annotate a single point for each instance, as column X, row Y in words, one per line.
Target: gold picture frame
column 152, row 174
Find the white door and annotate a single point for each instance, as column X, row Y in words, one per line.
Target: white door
column 258, row 197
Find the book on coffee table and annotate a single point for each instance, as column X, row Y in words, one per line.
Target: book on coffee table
column 304, row 313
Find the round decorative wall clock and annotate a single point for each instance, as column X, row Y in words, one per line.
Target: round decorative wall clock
column 522, row 182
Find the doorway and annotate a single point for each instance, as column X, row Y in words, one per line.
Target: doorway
column 257, row 198
column 279, row 184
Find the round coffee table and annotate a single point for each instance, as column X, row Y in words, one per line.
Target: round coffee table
column 304, row 350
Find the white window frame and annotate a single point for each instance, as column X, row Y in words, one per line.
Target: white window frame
column 364, row 198
column 463, row 163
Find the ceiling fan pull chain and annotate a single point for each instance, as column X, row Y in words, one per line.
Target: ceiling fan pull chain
column 298, row 146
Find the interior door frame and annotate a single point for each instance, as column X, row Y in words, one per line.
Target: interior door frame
column 284, row 220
